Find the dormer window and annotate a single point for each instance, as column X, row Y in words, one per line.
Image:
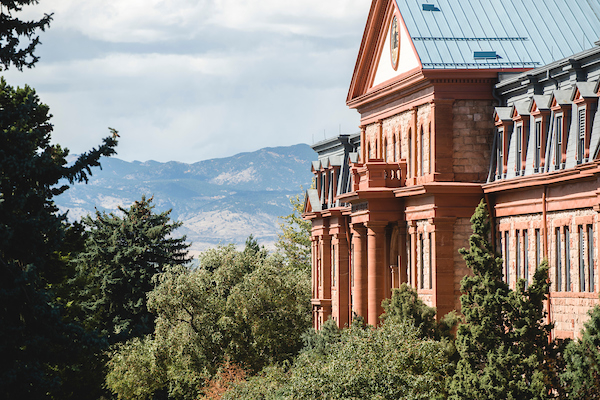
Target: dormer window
column 581, row 136
column 558, row 141
column 519, row 139
column 538, row 144
column 500, row 154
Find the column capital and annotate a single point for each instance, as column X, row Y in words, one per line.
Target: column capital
column 442, row 222
column 376, row 226
column 358, row 227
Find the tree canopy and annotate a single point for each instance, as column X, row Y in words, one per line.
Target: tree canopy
column 35, row 342
column 243, row 307
column 122, row 254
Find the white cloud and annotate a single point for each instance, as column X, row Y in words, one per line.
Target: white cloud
column 147, row 21
column 281, row 79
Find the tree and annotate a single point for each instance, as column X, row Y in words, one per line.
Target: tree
column 503, row 344
column 581, row 377
column 13, row 30
column 405, row 306
column 389, row 362
column 35, row 342
column 240, row 307
column 294, row 241
column 121, row 256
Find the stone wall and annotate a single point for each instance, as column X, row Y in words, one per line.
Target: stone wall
column 462, row 232
column 473, row 134
column 569, row 300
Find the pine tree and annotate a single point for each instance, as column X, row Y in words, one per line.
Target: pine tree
column 36, row 344
column 12, row 32
column 581, row 377
column 503, row 344
column 121, row 256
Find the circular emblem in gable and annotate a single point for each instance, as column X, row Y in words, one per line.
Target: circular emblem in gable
column 394, row 42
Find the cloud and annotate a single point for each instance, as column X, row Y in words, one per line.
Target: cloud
column 189, row 80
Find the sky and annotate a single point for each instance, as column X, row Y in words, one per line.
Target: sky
column 189, row 80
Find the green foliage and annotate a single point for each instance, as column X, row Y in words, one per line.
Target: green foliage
column 405, row 305
column 121, row 256
column 294, row 241
column 390, row 362
column 242, row 307
column 13, row 51
column 503, row 344
column 582, row 373
column 38, row 347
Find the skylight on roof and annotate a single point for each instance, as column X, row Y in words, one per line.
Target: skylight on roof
column 430, row 7
column 485, row 55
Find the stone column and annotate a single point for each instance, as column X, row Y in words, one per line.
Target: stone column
column 343, row 283
column 326, row 271
column 376, row 268
column 359, row 296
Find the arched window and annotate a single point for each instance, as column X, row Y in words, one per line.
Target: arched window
column 394, row 144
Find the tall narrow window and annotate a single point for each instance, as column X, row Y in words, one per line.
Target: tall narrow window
column 518, row 255
column 409, row 269
column 421, row 152
column 590, row 238
column 558, row 143
column 558, row 262
column 581, row 136
column 394, row 144
column 333, row 266
column 581, row 258
column 409, row 159
column 538, row 145
column 519, row 139
column 526, row 255
column 499, row 160
column 385, row 150
column 567, row 260
column 506, row 257
column 430, row 264
column 538, row 248
column 421, row 263
column 429, row 153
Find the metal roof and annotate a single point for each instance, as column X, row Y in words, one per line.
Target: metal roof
column 522, row 33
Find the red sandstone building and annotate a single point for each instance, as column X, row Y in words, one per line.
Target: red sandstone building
column 460, row 101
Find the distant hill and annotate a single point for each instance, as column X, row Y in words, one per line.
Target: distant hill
column 222, row 200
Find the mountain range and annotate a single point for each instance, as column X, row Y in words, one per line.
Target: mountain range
column 221, row 200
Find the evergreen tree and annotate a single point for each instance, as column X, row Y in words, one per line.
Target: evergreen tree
column 36, row 344
column 582, row 373
column 503, row 344
column 12, row 32
column 121, row 256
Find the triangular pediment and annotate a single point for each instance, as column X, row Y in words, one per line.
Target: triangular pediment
column 534, row 108
column 397, row 54
column 387, row 51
